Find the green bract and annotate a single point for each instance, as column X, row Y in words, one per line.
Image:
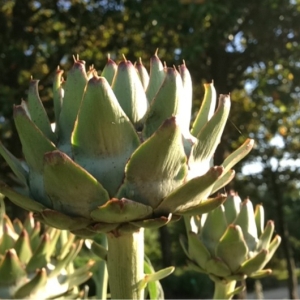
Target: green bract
column 35, row 265
column 231, row 243
column 122, row 155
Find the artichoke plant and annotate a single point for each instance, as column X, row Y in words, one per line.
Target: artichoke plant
column 122, row 157
column 231, row 243
column 36, row 265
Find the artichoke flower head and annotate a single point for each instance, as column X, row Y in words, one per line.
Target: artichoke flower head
column 122, row 155
column 37, row 263
column 231, row 242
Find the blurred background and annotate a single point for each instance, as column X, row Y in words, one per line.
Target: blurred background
column 250, row 49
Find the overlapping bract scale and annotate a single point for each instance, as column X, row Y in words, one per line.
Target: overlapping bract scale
column 124, row 152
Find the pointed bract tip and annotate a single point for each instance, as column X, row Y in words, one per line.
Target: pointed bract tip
column 124, row 58
column 156, row 52
column 108, row 56
column 19, row 110
column 11, row 253
column 250, row 143
column 45, row 237
column 169, row 122
column 55, row 157
column 224, row 100
column 233, row 193
column 217, row 170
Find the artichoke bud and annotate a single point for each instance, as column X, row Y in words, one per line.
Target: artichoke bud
column 27, row 266
column 225, row 245
column 122, row 155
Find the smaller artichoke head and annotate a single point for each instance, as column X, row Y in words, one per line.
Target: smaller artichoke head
column 231, row 242
column 36, row 263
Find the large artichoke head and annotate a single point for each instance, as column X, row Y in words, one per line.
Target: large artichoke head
column 122, row 155
column 231, row 242
column 37, row 263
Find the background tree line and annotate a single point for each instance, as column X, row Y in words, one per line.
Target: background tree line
column 249, row 48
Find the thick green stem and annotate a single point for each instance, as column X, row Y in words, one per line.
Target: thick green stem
column 125, row 264
column 224, row 290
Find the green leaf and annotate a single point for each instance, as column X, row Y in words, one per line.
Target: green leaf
column 143, row 73
column 246, row 221
column 34, row 143
column 37, row 111
column 10, row 264
column 255, row 263
column 261, row 274
column 159, row 274
column 265, row 237
column 185, row 101
column 217, row 267
column 165, row 103
column 15, row 164
column 109, row 70
column 157, row 76
column 259, row 214
column 41, row 255
column 273, row 247
column 238, row 154
column 223, row 181
column 191, row 265
column 23, row 248
column 207, row 109
column 36, row 283
column 20, row 200
column 198, row 252
column 59, row 220
column 190, row 194
column 130, row 93
column 154, row 287
column 74, row 90
column 58, row 94
column 213, row 228
column 103, row 138
column 99, row 250
column 71, row 188
column 210, row 135
column 120, row 211
column 204, row 207
column 156, row 222
column 232, row 207
column 232, row 248
column 157, row 167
